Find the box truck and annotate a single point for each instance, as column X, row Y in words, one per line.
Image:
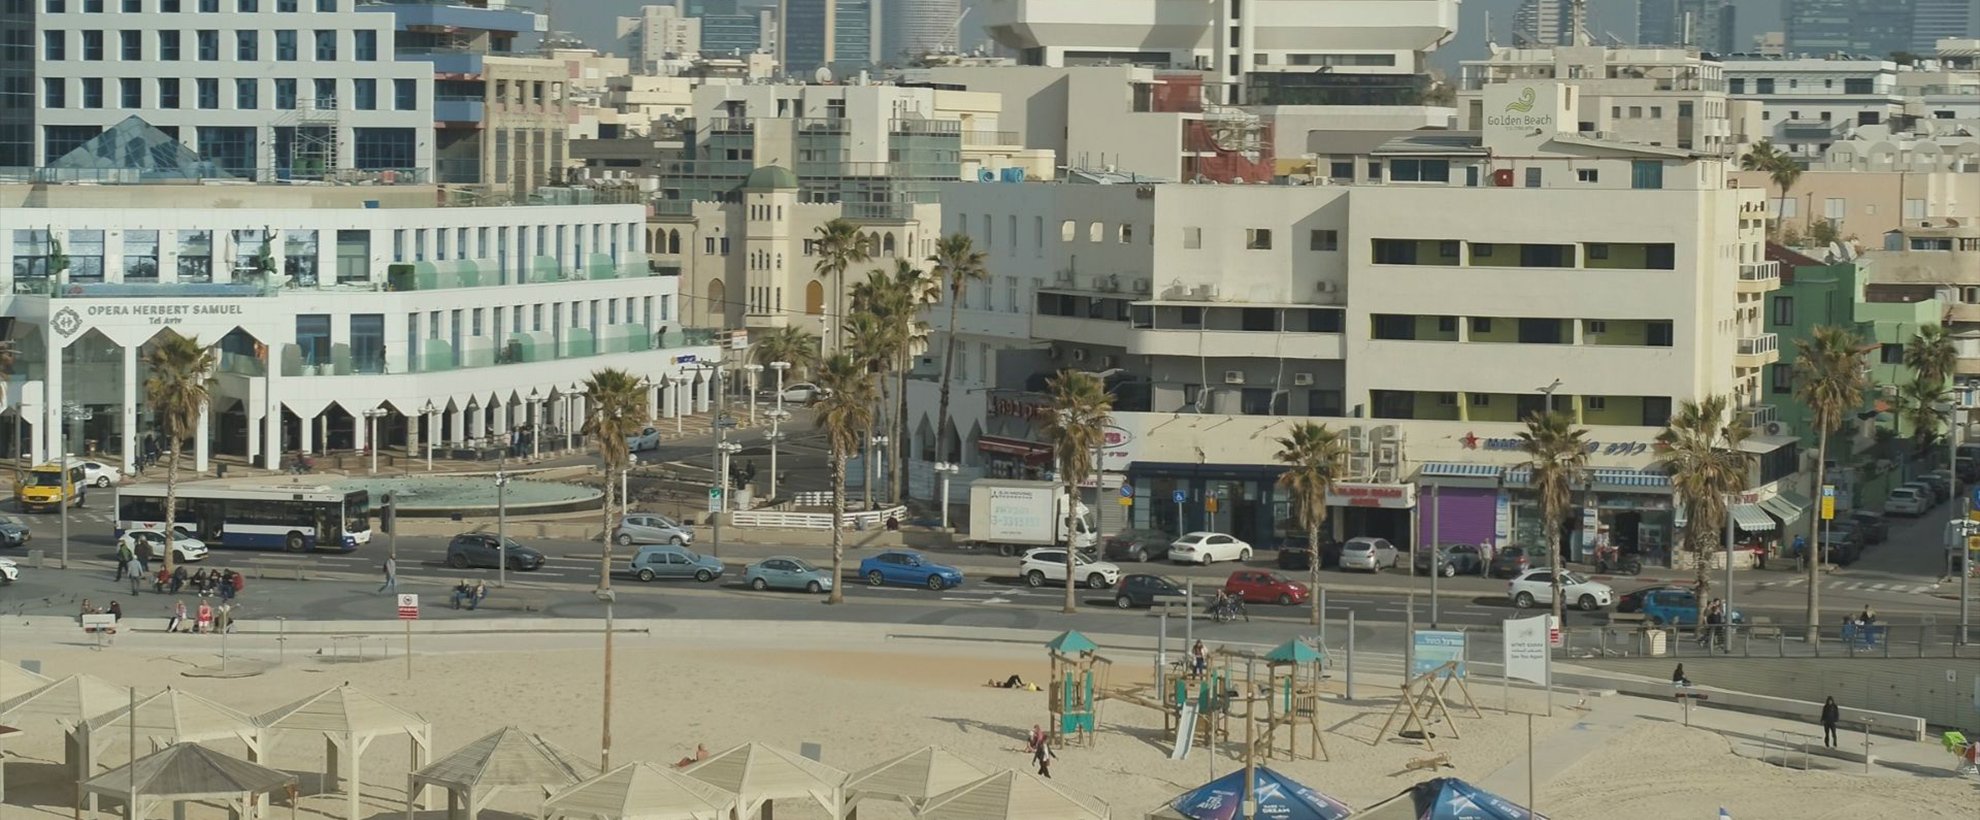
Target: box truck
column 1013, row 516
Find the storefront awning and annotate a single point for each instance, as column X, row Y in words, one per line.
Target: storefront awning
column 1629, row 478
column 1786, row 506
column 1751, row 518
column 1027, row 450
column 1453, row 470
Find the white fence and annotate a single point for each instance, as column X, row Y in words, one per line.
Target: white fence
column 778, row 520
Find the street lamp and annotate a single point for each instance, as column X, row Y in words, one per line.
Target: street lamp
column 432, row 430
column 777, row 418
column 570, row 413
column 607, row 597
column 371, row 434
column 535, row 424
column 674, row 397
column 943, row 470
column 73, row 412
column 875, row 468
column 755, row 377
column 502, row 522
column 780, row 367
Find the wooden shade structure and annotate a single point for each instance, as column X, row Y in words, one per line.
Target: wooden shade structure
column 758, row 775
column 187, row 772
column 508, row 759
column 65, row 704
column 1009, row 795
column 169, row 717
column 640, row 791
column 349, row 720
column 913, row 778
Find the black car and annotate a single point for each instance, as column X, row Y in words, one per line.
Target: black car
column 1875, row 527
column 1146, row 590
column 1459, row 559
column 1296, row 555
column 1842, row 542
column 13, row 533
column 1138, row 545
column 478, row 549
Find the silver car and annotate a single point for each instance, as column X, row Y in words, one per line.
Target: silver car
column 1372, row 554
column 646, row 439
column 649, row 528
column 787, row 572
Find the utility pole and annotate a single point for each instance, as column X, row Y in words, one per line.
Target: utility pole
column 720, row 463
column 502, row 521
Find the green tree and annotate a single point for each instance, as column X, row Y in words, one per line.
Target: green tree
column 1830, row 377
column 1781, row 168
column 1557, row 453
column 178, row 383
column 844, row 414
column 1081, row 410
column 1315, row 457
column 839, row 247
column 1701, row 452
column 1932, row 357
column 792, row 344
column 958, row 262
column 917, row 291
column 1918, row 404
column 615, row 410
column 870, row 344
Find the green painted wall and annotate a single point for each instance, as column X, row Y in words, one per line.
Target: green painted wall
column 1833, row 295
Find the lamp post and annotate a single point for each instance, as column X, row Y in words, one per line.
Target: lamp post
column 875, row 468
column 535, row 424
column 674, row 396
column 780, row 367
column 607, row 597
column 502, row 522
column 432, row 430
column 570, row 413
column 777, row 418
column 943, row 470
column 1960, row 508
column 755, row 372
column 371, row 434
column 73, row 412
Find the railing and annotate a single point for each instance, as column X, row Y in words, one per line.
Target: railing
column 208, row 173
column 1760, row 345
column 825, row 125
column 972, row 139
column 731, row 125
column 671, row 207
column 878, row 210
column 781, row 520
column 1759, row 415
column 46, row 286
column 933, row 127
column 1766, row 640
column 1759, row 271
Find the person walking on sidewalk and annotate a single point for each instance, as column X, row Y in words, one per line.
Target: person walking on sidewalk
column 135, row 569
column 124, row 558
column 391, row 575
column 144, row 556
column 1831, row 715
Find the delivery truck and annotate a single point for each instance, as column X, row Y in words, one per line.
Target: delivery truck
column 1013, row 516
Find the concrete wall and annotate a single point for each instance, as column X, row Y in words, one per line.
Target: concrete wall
column 1943, row 691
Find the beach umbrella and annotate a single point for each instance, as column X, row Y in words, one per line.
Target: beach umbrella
column 914, row 777
column 1279, row 798
column 1447, row 798
column 641, row 791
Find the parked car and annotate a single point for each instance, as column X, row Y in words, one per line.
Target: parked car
column 1875, row 527
column 9, row 571
column 1511, row 561
column 1458, row 559
column 185, row 548
column 646, row 439
column 1677, row 607
column 98, row 474
column 1137, row 545
column 1257, row 586
column 801, row 393
column 1206, row 547
column 1141, row 589
column 1296, row 554
column 1535, row 587
column 1908, row 500
column 14, row 532
column 1632, row 601
column 910, row 568
column 1049, row 564
column 787, row 572
column 1372, row 554
column 670, row 561
column 1841, row 542
column 478, row 549
column 651, row 528
column 1941, row 482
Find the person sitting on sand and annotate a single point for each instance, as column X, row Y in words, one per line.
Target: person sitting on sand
column 700, row 754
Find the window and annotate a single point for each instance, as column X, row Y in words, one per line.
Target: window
column 247, row 93
column 1596, row 402
column 206, row 43
column 1540, row 331
column 285, row 6
column 1657, row 334
column 1258, row 239
column 285, row 93
column 1783, row 310
column 1323, row 240
column 365, row 45
column 1780, row 378
column 1587, row 175
column 354, row 257
column 1374, row 169
column 1481, row 324
column 1192, row 238
column 1393, row 326
column 54, row 45
column 368, row 342
column 85, row 252
column 1597, row 327
column 1447, row 324
column 1891, row 354
column 1656, row 112
column 1395, row 252
column 1420, row 170
column 1636, row 112
column 1479, row 399
column 208, row 92
column 130, row 45
column 1763, row 85
column 1598, row 250
column 1646, row 174
column 1656, row 411
column 195, row 256
column 405, row 95
column 247, row 46
column 299, row 257
column 1660, row 256
column 92, row 92
column 56, row 6
column 168, row 45
column 54, row 92
column 285, row 45
column 313, row 338
column 130, row 92
column 326, row 5
column 326, row 46
column 140, row 256
column 92, row 45
column 1340, row 169
column 365, row 92
column 1533, row 177
column 249, row 6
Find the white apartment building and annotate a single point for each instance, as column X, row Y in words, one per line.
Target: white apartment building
column 1483, row 277
column 334, row 311
column 657, row 36
column 1646, row 95
column 265, row 89
column 1808, row 103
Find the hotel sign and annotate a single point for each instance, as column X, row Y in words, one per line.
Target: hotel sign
column 1386, row 496
column 68, row 320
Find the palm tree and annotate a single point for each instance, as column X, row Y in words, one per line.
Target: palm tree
column 915, row 291
column 1781, row 168
column 845, row 413
column 839, row 247
column 1829, row 377
column 1557, row 453
column 1081, row 410
column 1314, row 457
column 957, row 260
column 792, row 344
column 1701, row 452
column 615, row 405
column 178, row 385
column 1918, row 405
column 1931, row 356
column 870, row 345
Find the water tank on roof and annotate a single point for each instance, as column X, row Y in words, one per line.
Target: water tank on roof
column 986, row 175
column 1013, row 174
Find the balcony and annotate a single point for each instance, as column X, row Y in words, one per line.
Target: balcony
column 1102, row 332
column 991, row 139
column 457, row 109
column 1758, row 416
column 1759, row 277
column 1758, row 351
column 1236, row 344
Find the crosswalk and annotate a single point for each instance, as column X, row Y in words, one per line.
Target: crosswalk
column 1856, row 586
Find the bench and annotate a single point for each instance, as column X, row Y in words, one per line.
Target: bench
column 1761, row 626
column 1627, row 618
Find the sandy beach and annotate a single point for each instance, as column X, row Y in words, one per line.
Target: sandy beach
column 866, row 706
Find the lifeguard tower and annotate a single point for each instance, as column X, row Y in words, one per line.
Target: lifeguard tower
column 1079, row 675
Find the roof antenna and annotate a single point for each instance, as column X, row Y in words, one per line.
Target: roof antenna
column 1581, row 37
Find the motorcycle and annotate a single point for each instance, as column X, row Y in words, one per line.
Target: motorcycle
column 1613, row 561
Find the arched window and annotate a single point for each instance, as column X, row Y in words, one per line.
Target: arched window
column 887, row 245
column 814, row 298
column 718, row 298
column 674, row 241
column 1067, row 230
column 1093, row 231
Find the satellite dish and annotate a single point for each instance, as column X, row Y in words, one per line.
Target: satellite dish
column 823, row 75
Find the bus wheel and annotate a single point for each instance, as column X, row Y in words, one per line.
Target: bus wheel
column 295, row 543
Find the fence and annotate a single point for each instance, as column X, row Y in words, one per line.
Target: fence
column 779, row 520
column 1764, row 640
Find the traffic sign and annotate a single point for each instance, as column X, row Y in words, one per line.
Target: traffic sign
column 1554, row 632
column 408, row 606
column 1210, row 504
column 1181, row 496
column 714, row 499
column 1828, row 502
column 1127, row 490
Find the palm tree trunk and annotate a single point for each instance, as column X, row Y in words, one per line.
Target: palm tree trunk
column 171, row 505
column 1313, row 567
column 900, row 430
column 948, row 368
column 1072, row 541
column 605, row 555
column 1813, row 554
column 1554, row 515
column 866, row 464
column 838, row 524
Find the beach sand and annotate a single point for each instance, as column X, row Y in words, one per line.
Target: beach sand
column 864, row 707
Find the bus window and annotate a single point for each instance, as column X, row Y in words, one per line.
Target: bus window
column 357, row 513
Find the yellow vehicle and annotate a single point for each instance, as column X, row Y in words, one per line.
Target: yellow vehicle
column 43, row 488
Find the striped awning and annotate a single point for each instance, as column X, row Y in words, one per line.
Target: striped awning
column 1454, row 470
column 1630, row 478
column 1751, row 518
column 1787, row 506
column 1519, row 476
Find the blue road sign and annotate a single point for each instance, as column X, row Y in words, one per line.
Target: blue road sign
column 1181, row 496
column 1127, row 490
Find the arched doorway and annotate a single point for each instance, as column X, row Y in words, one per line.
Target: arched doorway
column 814, row 298
column 718, row 297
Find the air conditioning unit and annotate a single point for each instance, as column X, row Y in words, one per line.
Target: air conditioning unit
column 1303, row 379
column 1327, row 287
column 1099, row 283
column 1234, row 377
column 1387, row 454
column 1141, row 285
column 1357, row 440
column 1775, row 428
column 1079, row 355
column 1212, row 293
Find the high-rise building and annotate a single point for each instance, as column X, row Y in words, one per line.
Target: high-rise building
column 17, row 91
column 1935, row 20
column 1703, row 24
column 917, row 27
column 835, row 33
column 656, row 35
column 729, row 27
column 1543, row 23
column 1873, row 28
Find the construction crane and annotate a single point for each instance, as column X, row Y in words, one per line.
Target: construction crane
column 953, row 37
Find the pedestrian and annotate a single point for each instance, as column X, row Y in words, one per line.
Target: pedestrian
column 124, row 557
column 1831, row 715
column 479, row 594
column 178, row 617
column 144, row 556
column 1042, row 755
column 117, row 612
column 204, row 623
column 391, row 575
column 1677, row 677
column 1199, row 660
column 1037, row 739
column 135, row 570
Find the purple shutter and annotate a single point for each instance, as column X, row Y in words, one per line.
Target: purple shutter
column 1458, row 515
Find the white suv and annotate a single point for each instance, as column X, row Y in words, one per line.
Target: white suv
column 1049, row 564
column 1536, row 587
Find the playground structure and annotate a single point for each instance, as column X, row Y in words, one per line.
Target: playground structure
column 1079, row 675
column 1423, row 705
column 1290, row 691
column 1293, row 673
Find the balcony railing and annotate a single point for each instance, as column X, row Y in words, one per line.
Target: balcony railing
column 940, row 127
column 1759, row 416
column 878, row 210
column 811, row 126
column 206, row 172
column 976, row 139
column 1760, row 345
column 1759, row 271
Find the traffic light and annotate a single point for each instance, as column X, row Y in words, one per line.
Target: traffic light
column 385, row 514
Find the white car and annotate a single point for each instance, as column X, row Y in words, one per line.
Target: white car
column 185, row 548
column 9, row 571
column 1372, row 554
column 646, row 439
column 804, row 393
column 98, row 474
column 1205, row 547
column 1049, row 564
column 1535, row 587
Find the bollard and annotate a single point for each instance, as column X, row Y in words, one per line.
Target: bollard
column 1349, row 688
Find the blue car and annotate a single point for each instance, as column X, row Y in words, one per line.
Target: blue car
column 908, row 567
column 1677, row 607
column 787, row 572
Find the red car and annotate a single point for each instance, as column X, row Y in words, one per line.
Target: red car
column 1260, row 587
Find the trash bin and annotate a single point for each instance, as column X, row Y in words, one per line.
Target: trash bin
column 219, row 469
column 1659, row 638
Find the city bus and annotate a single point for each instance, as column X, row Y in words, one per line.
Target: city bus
column 42, row 488
column 293, row 519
